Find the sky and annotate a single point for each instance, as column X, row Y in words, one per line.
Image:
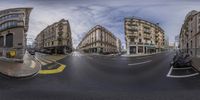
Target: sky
column 85, row 14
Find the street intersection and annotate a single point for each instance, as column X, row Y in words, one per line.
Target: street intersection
column 88, row 77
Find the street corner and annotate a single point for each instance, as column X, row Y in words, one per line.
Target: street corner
column 27, row 69
column 52, row 69
column 184, row 72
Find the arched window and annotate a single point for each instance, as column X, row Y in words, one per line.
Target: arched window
column 1, row 41
column 9, row 40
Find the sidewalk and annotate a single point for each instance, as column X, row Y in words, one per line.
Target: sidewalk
column 139, row 55
column 97, row 54
column 28, row 68
column 196, row 63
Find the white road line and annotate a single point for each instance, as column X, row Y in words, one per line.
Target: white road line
column 183, row 76
column 143, row 57
column 140, row 63
column 170, row 71
column 179, row 76
column 43, row 63
column 182, row 68
column 45, row 60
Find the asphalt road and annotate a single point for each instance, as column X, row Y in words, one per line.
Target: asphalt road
column 93, row 77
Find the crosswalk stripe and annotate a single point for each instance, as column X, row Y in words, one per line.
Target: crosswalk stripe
column 75, row 54
column 43, row 63
column 54, row 58
column 46, row 60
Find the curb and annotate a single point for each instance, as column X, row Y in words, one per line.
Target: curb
column 23, row 77
column 142, row 55
column 20, row 77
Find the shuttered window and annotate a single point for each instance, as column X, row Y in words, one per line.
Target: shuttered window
column 1, row 41
column 9, row 40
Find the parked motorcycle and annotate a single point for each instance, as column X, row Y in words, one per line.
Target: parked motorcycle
column 181, row 60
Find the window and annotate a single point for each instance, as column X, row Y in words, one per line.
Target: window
column 140, row 49
column 1, row 41
column 9, row 40
column 52, row 43
column 140, row 40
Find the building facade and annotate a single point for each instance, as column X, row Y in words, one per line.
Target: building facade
column 98, row 40
column 176, row 42
column 55, row 38
column 14, row 24
column 119, row 45
column 189, row 38
column 143, row 37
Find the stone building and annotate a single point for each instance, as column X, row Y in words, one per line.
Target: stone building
column 98, row 40
column 143, row 37
column 189, row 38
column 55, row 38
column 14, row 24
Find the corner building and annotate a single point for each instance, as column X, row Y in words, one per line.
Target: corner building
column 143, row 37
column 55, row 38
column 98, row 40
column 14, row 24
column 189, row 38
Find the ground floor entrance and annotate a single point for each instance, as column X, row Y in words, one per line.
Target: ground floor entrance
column 140, row 49
column 132, row 49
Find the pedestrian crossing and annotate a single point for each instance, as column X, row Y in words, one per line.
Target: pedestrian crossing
column 76, row 54
column 45, row 59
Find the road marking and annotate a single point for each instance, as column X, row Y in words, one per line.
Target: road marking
column 43, row 63
column 143, row 57
column 53, row 71
column 179, row 76
column 170, row 71
column 183, row 76
column 182, row 68
column 140, row 63
column 45, row 60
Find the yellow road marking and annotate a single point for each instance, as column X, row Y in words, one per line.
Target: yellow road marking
column 53, row 71
column 53, row 59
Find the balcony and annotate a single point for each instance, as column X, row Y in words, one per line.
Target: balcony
column 140, row 43
column 146, row 43
column 132, row 35
column 132, row 43
column 131, row 23
column 147, row 31
column 156, row 35
column 147, row 36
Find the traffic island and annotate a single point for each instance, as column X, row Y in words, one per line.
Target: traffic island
column 28, row 68
column 53, row 68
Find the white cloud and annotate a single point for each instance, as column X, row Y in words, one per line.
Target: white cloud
column 110, row 14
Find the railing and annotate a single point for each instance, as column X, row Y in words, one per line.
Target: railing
column 132, row 43
column 147, row 36
column 132, row 34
